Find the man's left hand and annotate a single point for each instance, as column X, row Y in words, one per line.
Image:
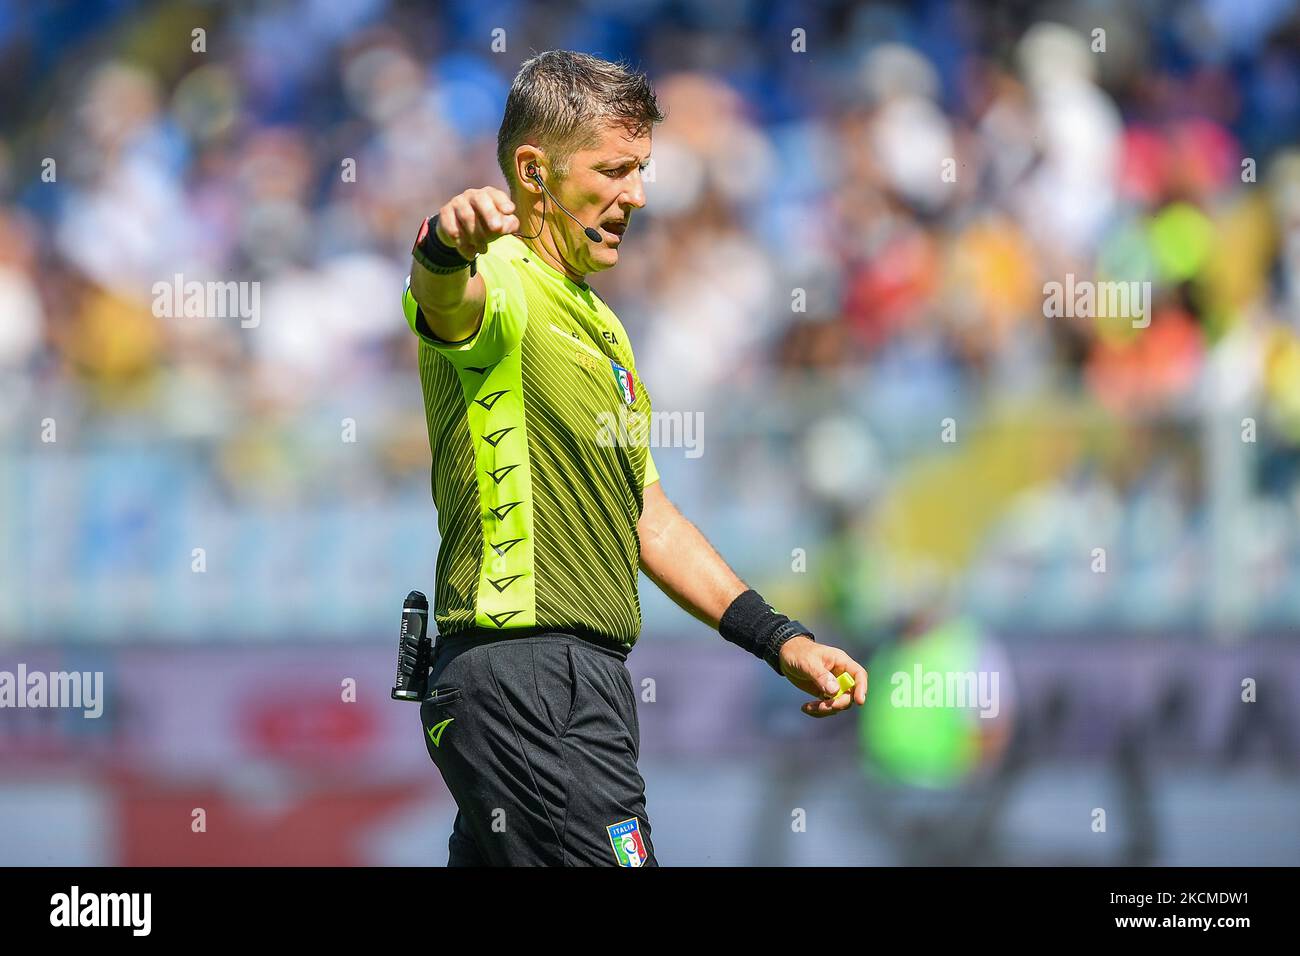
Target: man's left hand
column 814, row 669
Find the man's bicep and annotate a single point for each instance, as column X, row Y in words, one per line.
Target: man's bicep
column 500, row 328
column 657, row 513
column 433, row 332
column 456, row 323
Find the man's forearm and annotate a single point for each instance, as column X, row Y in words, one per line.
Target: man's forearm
column 678, row 558
column 451, row 310
column 438, row 293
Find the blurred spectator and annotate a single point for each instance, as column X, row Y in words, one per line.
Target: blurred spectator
column 871, row 225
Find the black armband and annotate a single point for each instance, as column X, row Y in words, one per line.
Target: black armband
column 752, row 623
column 435, row 255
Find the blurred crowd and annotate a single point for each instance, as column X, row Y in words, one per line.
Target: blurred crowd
column 854, row 210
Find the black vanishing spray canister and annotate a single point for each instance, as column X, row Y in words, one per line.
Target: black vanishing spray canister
column 413, row 650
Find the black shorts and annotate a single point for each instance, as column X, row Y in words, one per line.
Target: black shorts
column 537, row 739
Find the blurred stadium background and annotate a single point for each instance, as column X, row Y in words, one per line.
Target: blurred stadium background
column 824, row 477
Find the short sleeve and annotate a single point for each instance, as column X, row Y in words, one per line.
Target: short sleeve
column 505, row 315
column 651, row 472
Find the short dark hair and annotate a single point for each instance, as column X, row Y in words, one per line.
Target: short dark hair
column 560, row 98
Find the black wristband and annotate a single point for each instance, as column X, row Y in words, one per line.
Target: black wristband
column 752, row 623
column 434, row 254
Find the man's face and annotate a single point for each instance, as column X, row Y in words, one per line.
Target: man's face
column 602, row 188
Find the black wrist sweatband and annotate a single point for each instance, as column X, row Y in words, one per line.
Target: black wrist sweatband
column 751, row 623
column 434, row 254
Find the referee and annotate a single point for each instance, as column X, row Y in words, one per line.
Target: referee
column 531, row 712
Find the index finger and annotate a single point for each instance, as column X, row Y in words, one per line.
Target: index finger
column 860, row 676
column 500, row 199
column 489, row 215
column 847, row 665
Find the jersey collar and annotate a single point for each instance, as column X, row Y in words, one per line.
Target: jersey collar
column 534, row 258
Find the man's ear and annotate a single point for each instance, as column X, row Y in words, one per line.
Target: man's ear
column 526, row 156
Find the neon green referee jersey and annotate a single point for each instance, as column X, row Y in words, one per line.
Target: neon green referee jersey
column 539, row 467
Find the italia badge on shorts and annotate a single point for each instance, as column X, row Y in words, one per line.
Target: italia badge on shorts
column 625, row 838
column 625, row 384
